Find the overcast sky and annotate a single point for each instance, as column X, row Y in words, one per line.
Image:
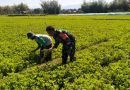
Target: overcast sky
column 36, row 3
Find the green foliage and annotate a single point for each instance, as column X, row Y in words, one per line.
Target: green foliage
column 51, row 7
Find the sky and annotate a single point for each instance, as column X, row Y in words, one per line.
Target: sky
column 36, row 3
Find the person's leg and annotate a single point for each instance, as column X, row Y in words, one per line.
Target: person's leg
column 72, row 53
column 41, row 55
column 49, row 54
column 64, row 54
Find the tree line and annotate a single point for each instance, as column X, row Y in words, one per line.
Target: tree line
column 102, row 6
column 47, row 7
column 53, row 7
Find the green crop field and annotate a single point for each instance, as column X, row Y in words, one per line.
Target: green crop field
column 102, row 51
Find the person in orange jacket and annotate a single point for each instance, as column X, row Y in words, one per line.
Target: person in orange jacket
column 68, row 41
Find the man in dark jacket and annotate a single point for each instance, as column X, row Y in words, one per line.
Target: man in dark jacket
column 68, row 41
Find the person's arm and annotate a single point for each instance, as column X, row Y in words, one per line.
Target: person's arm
column 55, row 45
column 36, row 48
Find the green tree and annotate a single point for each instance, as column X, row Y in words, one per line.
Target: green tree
column 119, row 5
column 37, row 11
column 1, row 10
column 21, row 8
column 51, row 7
column 94, row 7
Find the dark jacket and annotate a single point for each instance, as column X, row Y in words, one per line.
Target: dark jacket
column 63, row 37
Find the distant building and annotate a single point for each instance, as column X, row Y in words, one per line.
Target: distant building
column 71, row 11
column 25, row 12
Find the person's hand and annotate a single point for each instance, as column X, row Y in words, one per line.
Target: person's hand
column 49, row 50
column 33, row 51
column 46, row 50
column 69, row 43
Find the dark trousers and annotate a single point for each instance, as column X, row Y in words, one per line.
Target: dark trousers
column 68, row 51
column 48, row 57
